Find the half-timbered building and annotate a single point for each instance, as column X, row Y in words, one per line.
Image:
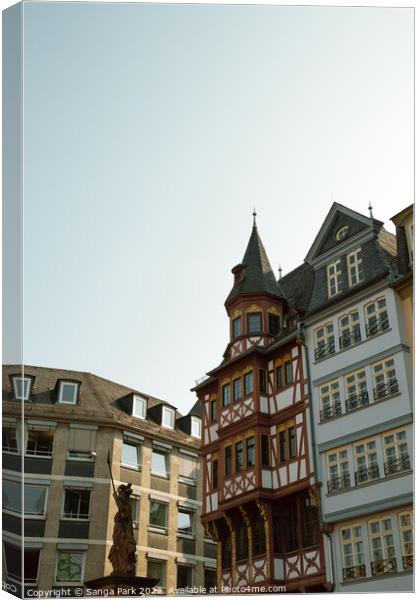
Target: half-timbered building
column 260, row 496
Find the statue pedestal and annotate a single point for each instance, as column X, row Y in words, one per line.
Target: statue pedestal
column 120, row 585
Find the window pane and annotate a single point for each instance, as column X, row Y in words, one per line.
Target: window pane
column 12, row 496
column 195, row 427
column 76, row 504
column 34, row 500
column 130, row 455
column 68, row 393
column 9, row 439
column 159, row 462
column 254, row 323
column 158, row 514
column 157, row 570
column 139, row 407
column 168, row 417
column 236, row 327
column 184, row 521
column 40, row 443
column 69, row 567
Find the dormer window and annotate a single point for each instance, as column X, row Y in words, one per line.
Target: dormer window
column 354, row 267
column 342, row 233
column 196, row 427
column 22, row 387
column 68, row 392
column 236, row 328
column 254, row 322
column 335, row 278
column 168, row 417
column 139, row 407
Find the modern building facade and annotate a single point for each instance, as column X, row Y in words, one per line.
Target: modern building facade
column 58, row 428
column 260, row 498
column 307, row 422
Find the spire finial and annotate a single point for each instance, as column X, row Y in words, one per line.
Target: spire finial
column 370, row 210
column 280, row 271
column 254, row 214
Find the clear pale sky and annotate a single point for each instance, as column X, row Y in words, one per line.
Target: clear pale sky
column 150, row 134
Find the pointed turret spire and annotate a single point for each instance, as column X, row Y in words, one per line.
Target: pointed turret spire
column 254, row 214
column 254, row 274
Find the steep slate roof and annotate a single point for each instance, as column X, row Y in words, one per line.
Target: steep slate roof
column 258, row 276
column 98, row 400
column 297, row 286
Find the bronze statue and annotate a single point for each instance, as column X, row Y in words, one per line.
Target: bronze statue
column 123, row 552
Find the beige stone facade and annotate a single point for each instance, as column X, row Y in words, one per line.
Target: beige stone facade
column 64, row 549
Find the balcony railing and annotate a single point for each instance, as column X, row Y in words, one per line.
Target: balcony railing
column 330, row 412
column 367, row 474
column 354, row 572
column 324, row 350
column 357, row 400
column 408, row 562
column 382, row 390
column 383, row 567
column 339, row 483
column 397, row 465
column 377, row 326
column 350, row 338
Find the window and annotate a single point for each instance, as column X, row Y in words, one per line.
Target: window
column 40, row 443
column 263, row 381
column 227, row 553
column 287, row 442
column 248, row 383
column 397, row 459
column 160, row 462
column 376, row 317
column 22, row 387
column 356, row 390
column 265, row 450
column 366, row 461
column 213, row 411
column 258, row 538
column 282, row 446
column 130, row 456
column 168, row 417
column 184, row 521
column 250, row 452
column 236, row 389
column 76, row 504
column 382, row 546
column 34, row 498
column 139, row 407
column 324, row 339
column 254, row 321
column 354, row 267
column 385, row 379
column 288, row 377
column 241, row 542
column 196, row 427
column 330, row 400
column 135, row 513
column 405, row 521
column 13, row 559
column 236, row 328
column 226, row 394
column 335, row 278
column 69, row 567
column 184, row 577
column 352, row 549
column 156, row 569
column 158, row 514
column 210, row 579
column 228, row 461
column 349, row 329
column 273, row 324
column 239, row 448
column 279, row 377
column 82, row 440
column 341, row 233
column 67, row 392
column 10, row 440
column 215, row 474
column 187, row 465
column 291, row 432
column 338, row 470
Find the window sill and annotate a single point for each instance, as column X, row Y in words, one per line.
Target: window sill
column 21, row 515
column 184, row 536
column 80, row 458
column 160, row 475
column 11, row 452
column 131, row 467
column 156, row 529
column 187, row 481
column 77, row 519
column 38, row 456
